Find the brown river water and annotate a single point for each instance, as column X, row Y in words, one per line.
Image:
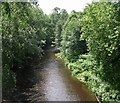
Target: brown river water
column 51, row 80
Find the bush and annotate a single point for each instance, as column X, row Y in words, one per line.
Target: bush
column 23, row 37
column 101, row 30
column 71, row 45
column 86, row 70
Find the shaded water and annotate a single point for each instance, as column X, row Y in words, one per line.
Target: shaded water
column 50, row 80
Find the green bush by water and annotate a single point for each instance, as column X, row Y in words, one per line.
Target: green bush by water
column 99, row 66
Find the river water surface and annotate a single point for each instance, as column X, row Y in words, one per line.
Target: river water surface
column 52, row 81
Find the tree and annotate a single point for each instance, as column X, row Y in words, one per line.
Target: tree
column 23, row 37
column 100, row 27
column 71, row 45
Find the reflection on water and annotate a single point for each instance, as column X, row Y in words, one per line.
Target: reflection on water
column 53, row 82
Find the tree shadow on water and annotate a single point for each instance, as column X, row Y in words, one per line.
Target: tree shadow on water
column 26, row 86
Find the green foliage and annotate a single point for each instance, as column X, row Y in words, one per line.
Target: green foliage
column 101, row 30
column 58, row 18
column 26, row 30
column 23, row 37
column 71, row 45
column 9, row 80
column 87, row 70
column 63, row 15
column 58, row 30
column 99, row 26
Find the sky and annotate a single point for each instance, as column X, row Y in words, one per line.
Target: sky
column 48, row 5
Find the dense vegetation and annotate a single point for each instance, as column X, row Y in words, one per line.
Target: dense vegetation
column 97, row 29
column 24, row 33
column 58, row 18
column 89, row 43
column 71, row 45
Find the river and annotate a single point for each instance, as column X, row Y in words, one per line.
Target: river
column 51, row 80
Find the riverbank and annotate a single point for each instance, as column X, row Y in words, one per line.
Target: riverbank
column 84, row 69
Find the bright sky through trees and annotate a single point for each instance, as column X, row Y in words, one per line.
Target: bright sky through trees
column 48, row 5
